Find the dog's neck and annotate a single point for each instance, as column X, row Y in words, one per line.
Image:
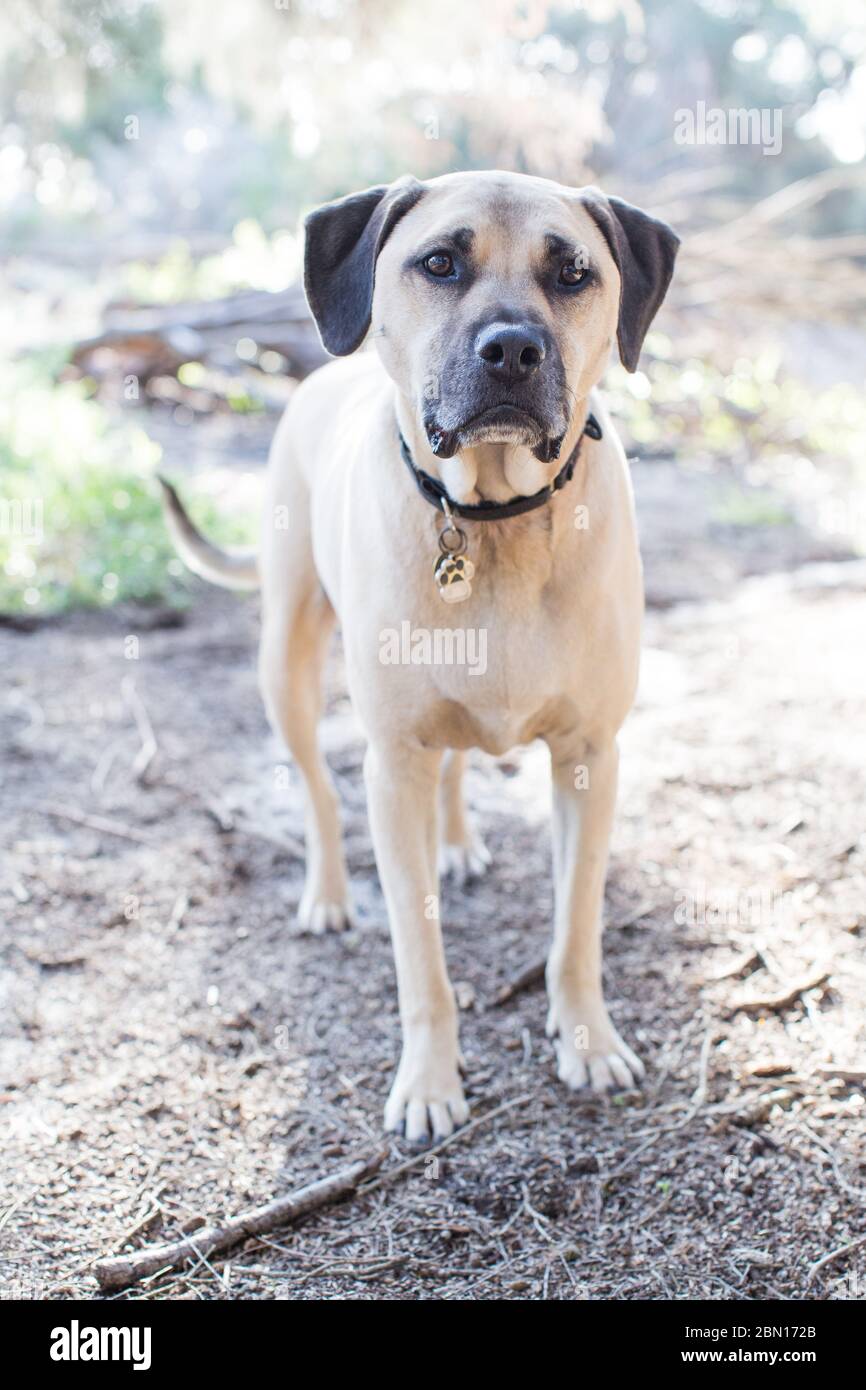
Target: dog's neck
column 487, row 472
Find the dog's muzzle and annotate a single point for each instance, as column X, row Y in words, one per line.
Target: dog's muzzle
column 509, row 388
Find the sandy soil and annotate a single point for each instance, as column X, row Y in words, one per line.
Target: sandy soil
column 173, row 1049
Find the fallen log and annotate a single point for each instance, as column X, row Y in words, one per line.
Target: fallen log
column 156, row 339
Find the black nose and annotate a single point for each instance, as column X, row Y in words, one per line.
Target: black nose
column 510, row 351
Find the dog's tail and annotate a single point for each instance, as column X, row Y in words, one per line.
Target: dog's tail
column 231, row 569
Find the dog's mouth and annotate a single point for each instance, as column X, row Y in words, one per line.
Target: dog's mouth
column 500, row 424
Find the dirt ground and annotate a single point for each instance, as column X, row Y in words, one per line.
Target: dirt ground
column 173, row 1049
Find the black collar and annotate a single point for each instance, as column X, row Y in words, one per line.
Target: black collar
column 435, row 492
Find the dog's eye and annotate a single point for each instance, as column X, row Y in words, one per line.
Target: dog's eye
column 572, row 273
column 439, row 264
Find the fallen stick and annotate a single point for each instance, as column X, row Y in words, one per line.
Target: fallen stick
column 771, row 1003
column 117, row 1272
column 99, row 776
column 98, row 823
column 744, row 962
column 178, row 912
column 857, row 1075
column 287, row 843
column 228, row 822
column 148, row 750
column 532, row 975
column 149, row 1219
column 833, row 1256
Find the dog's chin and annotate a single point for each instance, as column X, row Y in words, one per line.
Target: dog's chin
column 503, row 424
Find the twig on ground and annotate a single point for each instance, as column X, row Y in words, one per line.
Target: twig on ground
column 229, row 822
column 120, row 1271
column 859, row 1193
column 147, row 752
column 770, row 1066
column 144, row 1224
column 857, row 1075
column 101, row 824
column 771, row 1003
column 740, row 966
column 178, row 912
column 699, row 1094
column 287, row 843
column 99, row 776
column 833, row 1256
column 698, row 1100
column 532, row 975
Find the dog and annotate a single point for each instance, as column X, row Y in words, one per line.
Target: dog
column 466, row 458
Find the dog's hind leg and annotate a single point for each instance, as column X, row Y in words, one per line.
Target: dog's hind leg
column 293, row 648
column 462, row 853
column 297, row 623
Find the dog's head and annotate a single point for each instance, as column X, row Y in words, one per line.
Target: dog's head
column 494, row 298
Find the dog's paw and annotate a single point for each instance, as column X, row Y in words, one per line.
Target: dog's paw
column 317, row 915
column 430, row 1113
column 589, row 1051
column 426, row 1100
column 465, row 861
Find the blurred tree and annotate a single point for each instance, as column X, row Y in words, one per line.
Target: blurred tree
column 281, row 103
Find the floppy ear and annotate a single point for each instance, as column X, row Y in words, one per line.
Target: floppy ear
column 343, row 240
column 644, row 250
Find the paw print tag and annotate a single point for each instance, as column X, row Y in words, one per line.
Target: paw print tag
column 454, row 575
column 453, row 570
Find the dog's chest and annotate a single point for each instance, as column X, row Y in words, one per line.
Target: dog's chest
column 489, row 674
column 545, row 641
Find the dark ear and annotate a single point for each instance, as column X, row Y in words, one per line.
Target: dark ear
column 644, row 250
column 343, row 240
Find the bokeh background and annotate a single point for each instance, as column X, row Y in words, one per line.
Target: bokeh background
column 156, row 160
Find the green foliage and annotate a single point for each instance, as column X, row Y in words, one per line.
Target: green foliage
column 80, row 516
column 253, row 260
column 740, row 507
column 751, row 409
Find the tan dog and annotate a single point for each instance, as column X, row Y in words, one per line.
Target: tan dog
column 494, row 301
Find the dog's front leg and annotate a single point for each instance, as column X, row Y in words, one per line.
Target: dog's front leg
column 401, row 793
column 588, row 1047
